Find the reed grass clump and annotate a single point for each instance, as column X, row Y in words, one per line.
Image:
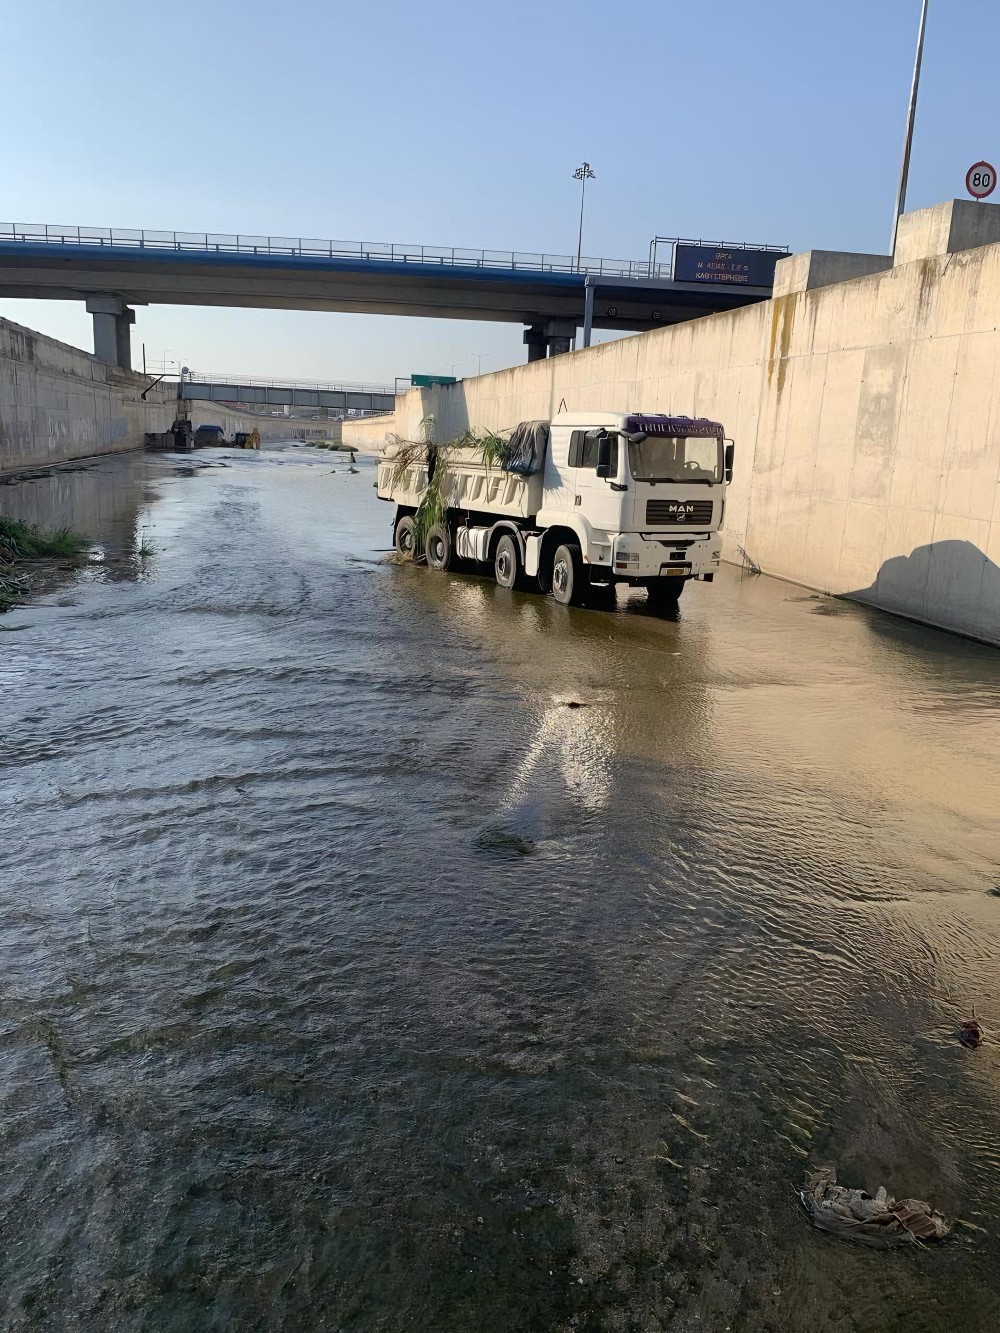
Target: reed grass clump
column 23, row 542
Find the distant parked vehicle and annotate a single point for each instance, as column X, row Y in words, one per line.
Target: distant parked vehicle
column 205, row 437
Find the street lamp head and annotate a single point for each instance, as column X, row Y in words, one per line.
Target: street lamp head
column 584, row 173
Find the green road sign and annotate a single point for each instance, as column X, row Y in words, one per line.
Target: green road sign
column 426, row 381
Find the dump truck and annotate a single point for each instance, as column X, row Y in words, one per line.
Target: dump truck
column 587, row 499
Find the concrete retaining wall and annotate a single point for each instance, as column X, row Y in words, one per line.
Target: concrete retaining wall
column 866, row 416
column 58, row 403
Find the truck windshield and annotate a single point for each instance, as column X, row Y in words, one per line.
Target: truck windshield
column 675, row 458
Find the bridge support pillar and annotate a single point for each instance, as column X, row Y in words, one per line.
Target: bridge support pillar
column 534, row 338
column 559, row 333
column 112, row 330
column 550, row 338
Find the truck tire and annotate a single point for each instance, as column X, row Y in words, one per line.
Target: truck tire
column 664, row 594
column 438, row 550
column 568, row 579
column 406, row 540
column 507, row 562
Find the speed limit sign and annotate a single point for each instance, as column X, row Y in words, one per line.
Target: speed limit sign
column 981, row 180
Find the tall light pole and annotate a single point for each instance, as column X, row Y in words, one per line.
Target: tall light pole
column 479, row 358
column 904, row 170
column 583, row 174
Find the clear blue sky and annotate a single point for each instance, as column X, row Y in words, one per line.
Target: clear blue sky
column 460, row 124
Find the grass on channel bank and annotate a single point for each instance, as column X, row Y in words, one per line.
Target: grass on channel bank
column 21, row 543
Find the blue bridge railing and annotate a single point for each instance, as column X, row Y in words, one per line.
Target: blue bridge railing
column 374, row 251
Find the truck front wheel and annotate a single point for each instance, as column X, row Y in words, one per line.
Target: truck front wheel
column 438, row 548
column 507, row 562
column 567, row 575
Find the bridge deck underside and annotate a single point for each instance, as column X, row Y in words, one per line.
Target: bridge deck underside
column 297, row 283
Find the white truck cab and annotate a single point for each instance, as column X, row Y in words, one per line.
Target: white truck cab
column 591, row 498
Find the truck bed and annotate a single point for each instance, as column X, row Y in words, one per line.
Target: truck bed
column 471, row 485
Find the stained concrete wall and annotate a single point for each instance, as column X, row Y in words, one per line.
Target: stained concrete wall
column 866, row 416
column 59, row 403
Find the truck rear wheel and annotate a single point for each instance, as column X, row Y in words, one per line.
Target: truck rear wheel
column 568, row 581
column 438, row 548
column 507, row 562
column 406, row 540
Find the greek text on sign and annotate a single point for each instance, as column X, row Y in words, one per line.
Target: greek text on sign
column 981, row 180
column 730, row 267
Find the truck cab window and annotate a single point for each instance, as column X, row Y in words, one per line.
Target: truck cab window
column 675, row 458
column 584, row 446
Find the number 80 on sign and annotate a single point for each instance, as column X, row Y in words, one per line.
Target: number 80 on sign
column 981, row 180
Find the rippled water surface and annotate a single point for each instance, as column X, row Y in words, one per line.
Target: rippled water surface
column 351, row 981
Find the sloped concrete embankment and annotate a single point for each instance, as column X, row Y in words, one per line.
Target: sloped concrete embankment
column 865, row 404
column 58, row 403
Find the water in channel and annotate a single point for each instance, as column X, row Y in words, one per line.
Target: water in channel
column 352, row 981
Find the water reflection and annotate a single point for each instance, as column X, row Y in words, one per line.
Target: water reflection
column 108, row 502
column 101, row 499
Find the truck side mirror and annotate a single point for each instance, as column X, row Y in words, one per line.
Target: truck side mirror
column 730, row 454
column 603, row 468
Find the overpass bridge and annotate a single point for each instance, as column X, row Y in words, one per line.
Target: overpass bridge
column 256, row 393
column 113, row 270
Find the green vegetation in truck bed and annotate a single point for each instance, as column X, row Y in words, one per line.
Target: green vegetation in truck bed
column 410, row 454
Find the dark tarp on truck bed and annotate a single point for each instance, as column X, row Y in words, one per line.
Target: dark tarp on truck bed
column 525, row 452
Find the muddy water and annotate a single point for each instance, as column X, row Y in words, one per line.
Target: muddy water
column 351, row 981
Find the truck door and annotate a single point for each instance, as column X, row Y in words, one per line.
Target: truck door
column 595, row 501
column 559, row 477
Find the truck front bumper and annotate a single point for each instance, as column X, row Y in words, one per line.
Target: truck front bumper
column 638, row 557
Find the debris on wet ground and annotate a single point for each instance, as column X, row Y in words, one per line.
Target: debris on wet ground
column 572, row 703
column 496, row 838
column 970, row 1033
column 877, row 1220
column 43, row 474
